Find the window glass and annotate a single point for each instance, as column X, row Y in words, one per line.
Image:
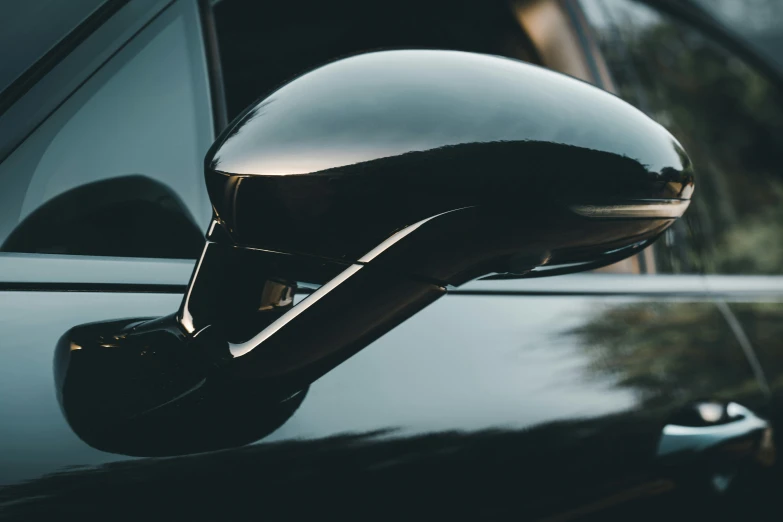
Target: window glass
column 758, row 21
column 28, row 30
column 117, row 169
column 264, row 44
column 728, row 116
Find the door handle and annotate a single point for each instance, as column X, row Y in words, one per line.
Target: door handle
column 735, row 423
column 715, row 440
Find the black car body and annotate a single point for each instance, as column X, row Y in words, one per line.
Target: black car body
column 579, row 396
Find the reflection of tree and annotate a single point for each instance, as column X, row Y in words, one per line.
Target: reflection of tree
column 728, row 116
column 754, row 244
column 763, row 324
column 668, row 353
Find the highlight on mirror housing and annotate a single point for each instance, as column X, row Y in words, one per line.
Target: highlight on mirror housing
column 376, row 182
column 338, row 160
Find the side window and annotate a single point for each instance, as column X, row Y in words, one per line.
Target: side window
column 265, row 44
column 726, row 114
column 116, row 169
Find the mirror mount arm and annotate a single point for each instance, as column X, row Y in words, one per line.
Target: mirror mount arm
column 244, row 297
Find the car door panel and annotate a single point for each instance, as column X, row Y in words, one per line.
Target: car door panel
column 482, row 405
column 756, row 303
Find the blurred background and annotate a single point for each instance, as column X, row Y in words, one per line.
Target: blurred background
column 759, row 21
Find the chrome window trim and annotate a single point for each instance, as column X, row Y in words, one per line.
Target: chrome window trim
column 675, row 285
column 74, row 273
column 66, row 273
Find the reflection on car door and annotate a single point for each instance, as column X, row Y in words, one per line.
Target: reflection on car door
column 533, row 404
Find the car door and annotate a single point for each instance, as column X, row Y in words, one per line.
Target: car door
column 559, row 398
column 727, row 104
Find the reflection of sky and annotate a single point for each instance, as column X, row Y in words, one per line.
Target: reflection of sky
column 385, row 104
column 34, row 437
column 464, row 363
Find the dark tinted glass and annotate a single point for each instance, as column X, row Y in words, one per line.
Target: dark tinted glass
column 28, row 29
column 263, row 44
column 759, row 21
column 116, row 170
column 727, row 115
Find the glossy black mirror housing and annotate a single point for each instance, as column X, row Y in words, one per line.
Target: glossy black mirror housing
column 383, row 178
column 501, row 166
column 137, row 387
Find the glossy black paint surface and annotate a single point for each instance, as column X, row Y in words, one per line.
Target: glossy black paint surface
column 479, row 406
column 492, row 197
column 166, row 390
column 338, row 160
column 761, row 321
column 157, row 394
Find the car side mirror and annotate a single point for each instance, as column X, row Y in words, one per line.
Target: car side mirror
column 376, row 183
